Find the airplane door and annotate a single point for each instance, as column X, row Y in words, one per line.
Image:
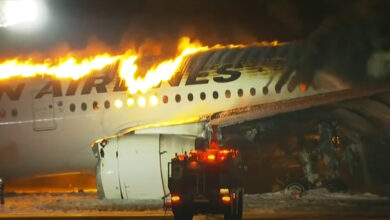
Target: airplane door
column 43, row 112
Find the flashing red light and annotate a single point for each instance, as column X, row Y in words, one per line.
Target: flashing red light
column 226, row 199
column 175, row 199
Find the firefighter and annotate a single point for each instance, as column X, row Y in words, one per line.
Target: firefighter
column 1, row 192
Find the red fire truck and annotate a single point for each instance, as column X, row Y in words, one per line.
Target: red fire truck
column 206, row 182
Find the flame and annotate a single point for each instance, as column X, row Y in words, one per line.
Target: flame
column 71, row 67
column 64, row 68
column 162, row 72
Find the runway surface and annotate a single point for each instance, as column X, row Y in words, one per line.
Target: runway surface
column 315, row 204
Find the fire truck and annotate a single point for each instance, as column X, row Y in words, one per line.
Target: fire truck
column 206, row 181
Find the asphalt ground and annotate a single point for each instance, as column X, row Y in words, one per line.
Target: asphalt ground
column 295, row 215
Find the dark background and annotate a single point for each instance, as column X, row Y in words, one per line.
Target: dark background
column 121, row 23
column 332, row 35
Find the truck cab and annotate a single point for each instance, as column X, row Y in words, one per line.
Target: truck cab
column 206, row 182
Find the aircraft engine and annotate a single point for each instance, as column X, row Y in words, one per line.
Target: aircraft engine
column 135, row 166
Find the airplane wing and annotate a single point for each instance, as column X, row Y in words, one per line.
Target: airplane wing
column 240, row 115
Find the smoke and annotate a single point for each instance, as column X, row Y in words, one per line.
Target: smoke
column 333, row 36
column 345, row 45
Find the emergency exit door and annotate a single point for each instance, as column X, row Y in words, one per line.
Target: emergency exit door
column 43, row 112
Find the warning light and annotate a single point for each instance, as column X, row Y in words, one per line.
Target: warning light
column 175, row 199
column 211, row 157
column 224, row 191
column 226, row 199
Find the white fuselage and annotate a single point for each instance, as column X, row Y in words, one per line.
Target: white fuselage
column 45, row 136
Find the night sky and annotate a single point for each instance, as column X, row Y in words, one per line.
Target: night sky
column 124, row 22
column 331, row 30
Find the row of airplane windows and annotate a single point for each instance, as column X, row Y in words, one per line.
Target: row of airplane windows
column 3, row 113
column 153, row 100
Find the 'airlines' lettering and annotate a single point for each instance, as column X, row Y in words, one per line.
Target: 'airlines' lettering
column 51, row 87
column 176, row 79
column 94, row 82
column 54, row 87
column 193, row 78
column 13, row 94
column 223, row 70
column 72, row 88
column 120, row 85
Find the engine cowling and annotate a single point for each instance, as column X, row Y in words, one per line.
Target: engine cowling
column 135, row 166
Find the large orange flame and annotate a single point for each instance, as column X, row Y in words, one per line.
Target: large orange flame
column 71, row 67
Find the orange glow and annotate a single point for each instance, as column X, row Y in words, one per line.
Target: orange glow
column 193, row 164
column 303, row 87
column 175, row 199
column 72, row 67
column 226, row 199
column 181, row 157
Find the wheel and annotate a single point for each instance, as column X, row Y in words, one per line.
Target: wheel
column 236, row 212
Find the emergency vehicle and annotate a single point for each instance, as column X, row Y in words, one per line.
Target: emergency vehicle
column 206, row 182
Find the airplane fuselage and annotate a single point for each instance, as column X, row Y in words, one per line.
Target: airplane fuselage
column 47, row 125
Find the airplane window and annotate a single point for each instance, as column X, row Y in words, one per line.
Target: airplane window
column 72, row 107
column 177, row 98
column 107, row 104
column 202, row 95
column 253, row 91
column 165, row 99
column 95, row 105
column 130, row 102
column 228, row 94
column 83, row 106
column 14, row 112
column 240, row 93
column 215, row 95
column 265, row 90
column 118, row 103
column 2, row 113
column 190, row 97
